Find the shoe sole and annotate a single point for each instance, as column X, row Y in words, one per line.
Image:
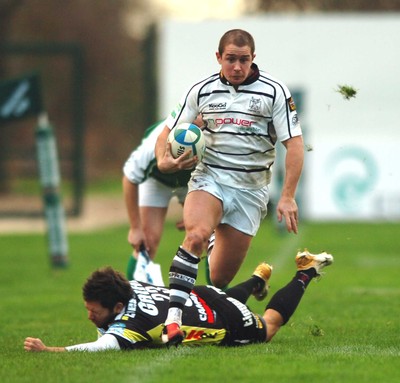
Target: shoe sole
column 316, row 263
column 260, row 296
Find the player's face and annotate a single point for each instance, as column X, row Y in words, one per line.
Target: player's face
column 100, row 316
column 236, row 63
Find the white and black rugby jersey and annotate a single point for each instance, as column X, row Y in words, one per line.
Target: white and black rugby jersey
column 210, row 316
column 142, row 163
column 242, row 126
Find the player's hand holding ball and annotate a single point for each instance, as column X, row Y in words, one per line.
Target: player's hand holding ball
column 187, row 138
column 187, row 145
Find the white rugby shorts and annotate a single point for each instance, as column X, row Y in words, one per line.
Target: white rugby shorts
column 155, row 194
column 243, row 209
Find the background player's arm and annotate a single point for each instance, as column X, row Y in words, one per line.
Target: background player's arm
column 131, row 195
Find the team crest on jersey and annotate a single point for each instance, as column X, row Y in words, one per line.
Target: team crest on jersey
column 255, row 104
column 295, row 119
column 292, row 105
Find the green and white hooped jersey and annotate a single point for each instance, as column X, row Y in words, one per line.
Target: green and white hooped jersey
column 242, row 126
column 142, row 163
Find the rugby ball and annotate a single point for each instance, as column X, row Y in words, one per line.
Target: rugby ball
column 185, row 137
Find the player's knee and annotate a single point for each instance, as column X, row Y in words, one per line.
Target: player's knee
column 152, row 245
column 196, row 241
column 274, row 321
column 219, row 280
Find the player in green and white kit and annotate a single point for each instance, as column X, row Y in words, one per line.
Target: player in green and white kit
column 147, row 194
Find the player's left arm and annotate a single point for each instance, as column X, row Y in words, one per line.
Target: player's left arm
column 287, row 206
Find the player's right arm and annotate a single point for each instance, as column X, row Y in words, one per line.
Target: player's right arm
column 136, row 235
column 166, row 163
column 106, row 342
column 36, row 345
column 135, row 171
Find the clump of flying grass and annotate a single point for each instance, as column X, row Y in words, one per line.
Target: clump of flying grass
column 347, row 91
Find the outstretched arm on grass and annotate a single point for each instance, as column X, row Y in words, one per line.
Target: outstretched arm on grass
column 36, row 344
column 106, row 342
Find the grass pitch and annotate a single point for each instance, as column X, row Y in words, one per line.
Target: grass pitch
column 346, row 329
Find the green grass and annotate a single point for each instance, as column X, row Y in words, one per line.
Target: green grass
column 347, row 328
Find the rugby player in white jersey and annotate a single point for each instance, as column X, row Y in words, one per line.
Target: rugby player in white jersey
column 130, row 315
column 246, row 112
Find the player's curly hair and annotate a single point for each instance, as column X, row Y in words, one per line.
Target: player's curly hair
column 238, row 37
column 108, row 287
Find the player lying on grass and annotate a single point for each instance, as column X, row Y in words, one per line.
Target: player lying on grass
column 130, row 315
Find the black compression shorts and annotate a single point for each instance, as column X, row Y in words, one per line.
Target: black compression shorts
column 242, row 325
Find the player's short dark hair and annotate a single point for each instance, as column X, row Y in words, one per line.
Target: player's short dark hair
column 238, row 37
column 108, row 287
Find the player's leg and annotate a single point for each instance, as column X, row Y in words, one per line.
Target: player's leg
column 152, row 222
column 202, row 211
column 285, row 301
column 180, row 193
column 154, row 199
column 210, row 246
column 153, row 219
column 153, row 202
column 256, row 285
column 229, row 251
column 146, row 270
column 243, row 212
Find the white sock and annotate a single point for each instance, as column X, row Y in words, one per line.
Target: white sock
column 174, row 316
